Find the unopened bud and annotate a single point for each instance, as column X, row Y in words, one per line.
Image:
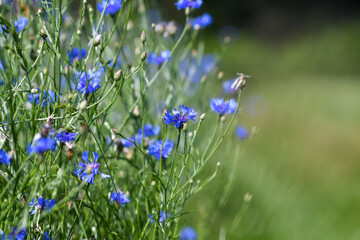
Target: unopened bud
column 143, row 56
column 247, row 197
column 220, row 75
column 42, row 33
column 222, row 119
column 143, row 37
column 203, row 79
column 218, row 164
column 39, row 11
column 191, row 181
column 118, row 75
column 83, row 105
column 97, row 40
column 78, row 32
column 34, row 91
column 185, row 127
column 187, row 11
column 202, row 117
column 115, row 131
column 46, row 71
column 153, row 25
column 136, row 112
column 227, row 39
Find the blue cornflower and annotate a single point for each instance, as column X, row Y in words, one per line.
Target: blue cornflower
column 120, row 198
column 155, row 149
column 77, row 54
column 1, row 65
column 42, row 145
column 150, row 130
column 182, row 4
column 42, row 205
column 16, row 235
column 87, row 170
column 218, row 105
column 66, row 136
column 162, row 217
column 241, row 132
column 48, row 98
column 201, row 21
column 112, row 7
column 90, row 81
column 188, row 233
column 179, row 116
column 159, row 59
column 4, row 157
column 21, row 23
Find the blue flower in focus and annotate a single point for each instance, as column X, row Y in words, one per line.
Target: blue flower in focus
column 150, row 130
column 77, row 54
column 90, row 81
column 66, row 136
column 241, row 132
column 188, row 233
column 155, row 149
column 16, row 235
column 182, row 4
column 21, row 23
column 120, row 198
column 4, row 157
column 111, row 8
column 42, row 145
column 41, row 205
column 164, row 55
column 48, row 98
column 201, row 21
column 87, row 170
column 220, row 106
column 179, row 116
column 162, row 217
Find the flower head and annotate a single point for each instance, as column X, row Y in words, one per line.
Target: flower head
column 129, row 143
column 21, row 23
column 41, row 205
column 155, row 149
column 241, row 132
column 16, row 234
column 66, row 136
column 120, row 198
column 4, row 157
column 182, row 4
column 179, row 116
column 188, row 233
column 220, row 106
column 42, row 145
column 48, row 98
column 159, row 59
column 111, row 8
column 77, row 54
column 90, row 81
column 87, row 170
column 201, row 21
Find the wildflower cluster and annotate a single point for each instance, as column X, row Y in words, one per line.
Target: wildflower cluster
column 92, row 143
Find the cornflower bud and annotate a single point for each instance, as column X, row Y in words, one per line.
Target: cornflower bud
column 143, row 37
column 202, row 117
column 143, row 56
column 34, row 91
column 83, row 105
column 42, row 33
column 247, row 197
column 118, row 75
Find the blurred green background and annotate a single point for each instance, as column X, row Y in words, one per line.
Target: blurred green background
column 303, row 165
